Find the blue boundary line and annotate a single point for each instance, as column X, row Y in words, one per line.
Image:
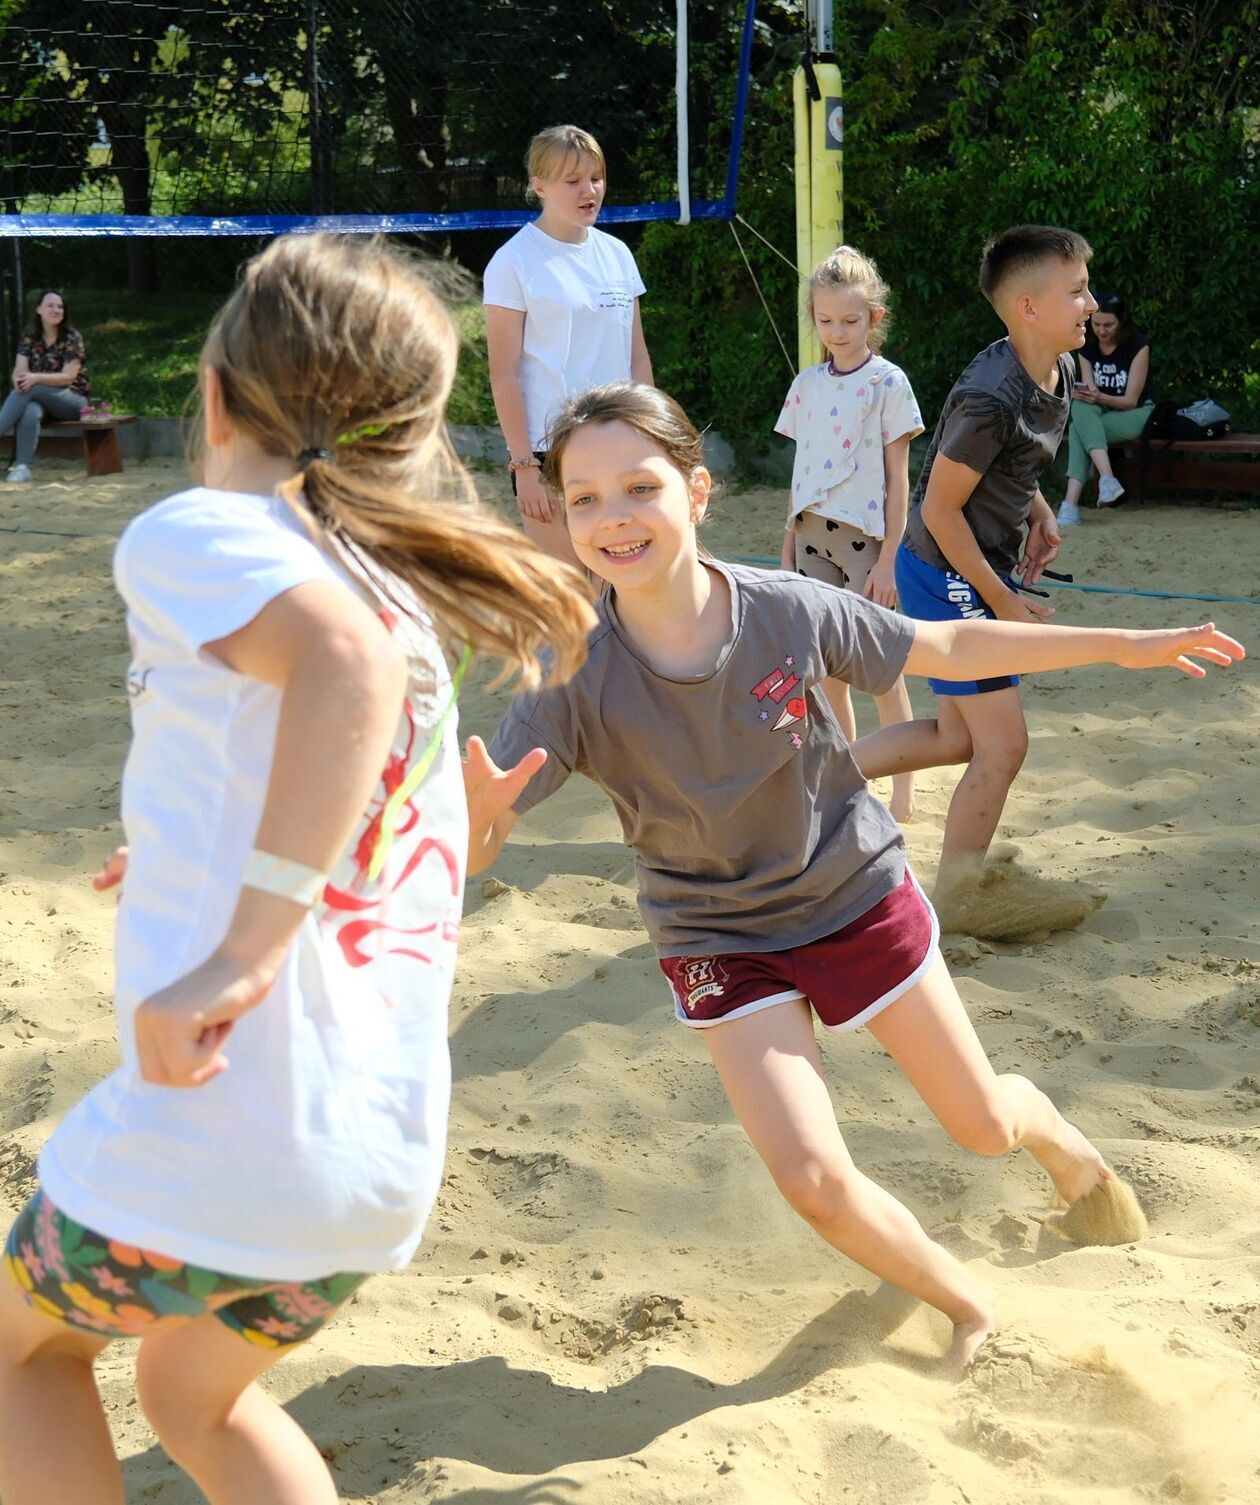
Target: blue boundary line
column 1094, row 590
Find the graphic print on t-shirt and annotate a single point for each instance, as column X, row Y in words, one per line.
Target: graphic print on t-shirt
column 778, row 686
column 431, row 860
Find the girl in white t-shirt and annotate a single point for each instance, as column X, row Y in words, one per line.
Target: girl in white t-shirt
column 562, row 315
column 852, row 417
column 294, row 808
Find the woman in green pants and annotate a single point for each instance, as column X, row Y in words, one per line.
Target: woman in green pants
column 1111, row 402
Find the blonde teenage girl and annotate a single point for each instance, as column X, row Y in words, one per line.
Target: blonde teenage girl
column 562, row 315
column 852, row 417
column 286, row 935
column 770, row 881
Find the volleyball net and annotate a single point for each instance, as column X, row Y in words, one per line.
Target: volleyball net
column 260, row 117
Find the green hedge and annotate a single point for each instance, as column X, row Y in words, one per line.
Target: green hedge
column 1126, row 120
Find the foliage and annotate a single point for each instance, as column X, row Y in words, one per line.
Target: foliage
column 1126, row 119
column 142, row 352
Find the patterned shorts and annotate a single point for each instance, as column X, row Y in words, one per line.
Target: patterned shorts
column 834, row 552
column 68, row 1272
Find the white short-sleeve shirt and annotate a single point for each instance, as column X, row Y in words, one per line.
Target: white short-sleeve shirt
column 578, row 302
column 841, row 423
column 320, row 1149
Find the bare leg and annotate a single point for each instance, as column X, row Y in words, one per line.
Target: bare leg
column 197, row 1384
column 841, row 703
column 910, row 745
column 771, row 1070
column 1072, row 495
column 54, row 1441
column 928, row 1034
column 999, row 741
column 894, row 707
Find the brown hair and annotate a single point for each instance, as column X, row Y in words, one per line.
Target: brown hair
column 656, row 416
column 36, row 329
column 849, row 269
column 551, row 150
column 1018, row 250
column 339, row 346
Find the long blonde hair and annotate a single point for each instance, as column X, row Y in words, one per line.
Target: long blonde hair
column 336, row 353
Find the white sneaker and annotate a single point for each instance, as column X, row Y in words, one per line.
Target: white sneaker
column 1069, row 513
column 1109, row 490
column 19, row 473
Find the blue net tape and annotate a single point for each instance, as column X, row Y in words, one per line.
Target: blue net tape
column 46, row 225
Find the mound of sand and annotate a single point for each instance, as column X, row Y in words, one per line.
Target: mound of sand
column 613, row 1306
column 1001, row 900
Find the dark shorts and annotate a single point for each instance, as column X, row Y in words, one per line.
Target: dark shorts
column 935, row 595
column 95, row 1283
column 848, row 976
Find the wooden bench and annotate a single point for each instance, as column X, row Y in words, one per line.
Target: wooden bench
column 1231, row 463
column 96, row 439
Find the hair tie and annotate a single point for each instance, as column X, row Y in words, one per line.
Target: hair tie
column 313, row 453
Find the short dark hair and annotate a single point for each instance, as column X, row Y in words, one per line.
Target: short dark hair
column 1022, row 247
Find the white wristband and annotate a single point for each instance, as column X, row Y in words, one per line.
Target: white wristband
column 287, row 880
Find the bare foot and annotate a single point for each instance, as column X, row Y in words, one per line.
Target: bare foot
column 901, row 806
column 1074, row 1165
column 969, row 1337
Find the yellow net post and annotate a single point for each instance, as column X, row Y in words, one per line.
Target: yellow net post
column 818, row 113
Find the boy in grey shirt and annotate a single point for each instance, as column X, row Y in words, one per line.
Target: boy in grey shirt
column 999, row 428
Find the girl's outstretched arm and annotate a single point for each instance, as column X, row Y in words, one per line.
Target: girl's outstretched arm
column 491, row 792
column 982, row 650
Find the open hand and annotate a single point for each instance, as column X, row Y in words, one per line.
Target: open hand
column 1040, row 549
column 180, row 1030
column 1178, row 648
column 113, row 870
column 489, row 789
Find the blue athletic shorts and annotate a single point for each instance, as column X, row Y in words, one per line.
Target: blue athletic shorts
column 935, row 595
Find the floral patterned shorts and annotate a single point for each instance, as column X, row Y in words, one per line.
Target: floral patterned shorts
column 96, row 1283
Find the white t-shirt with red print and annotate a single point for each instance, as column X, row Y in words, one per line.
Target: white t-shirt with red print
column 320, row 1149
column 841, row 421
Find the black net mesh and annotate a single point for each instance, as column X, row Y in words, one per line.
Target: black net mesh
column 293, row 107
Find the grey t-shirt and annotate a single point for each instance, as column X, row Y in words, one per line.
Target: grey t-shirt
column 996, row 420
column 752, row 827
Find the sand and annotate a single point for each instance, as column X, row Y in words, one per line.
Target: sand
column 612, row 1304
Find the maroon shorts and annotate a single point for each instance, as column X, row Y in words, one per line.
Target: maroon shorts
column 848, row 976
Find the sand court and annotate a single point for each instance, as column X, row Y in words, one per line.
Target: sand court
column 612, row 1305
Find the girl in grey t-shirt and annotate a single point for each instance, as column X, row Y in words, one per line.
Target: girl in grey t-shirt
column 771, row 882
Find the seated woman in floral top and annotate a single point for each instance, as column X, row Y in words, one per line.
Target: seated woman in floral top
column 50, row 380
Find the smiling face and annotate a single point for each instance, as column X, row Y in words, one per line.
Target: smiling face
column 571, row 198
column 630, row 511
column 844, row 321
column 51, row 310
column 1062, row 304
